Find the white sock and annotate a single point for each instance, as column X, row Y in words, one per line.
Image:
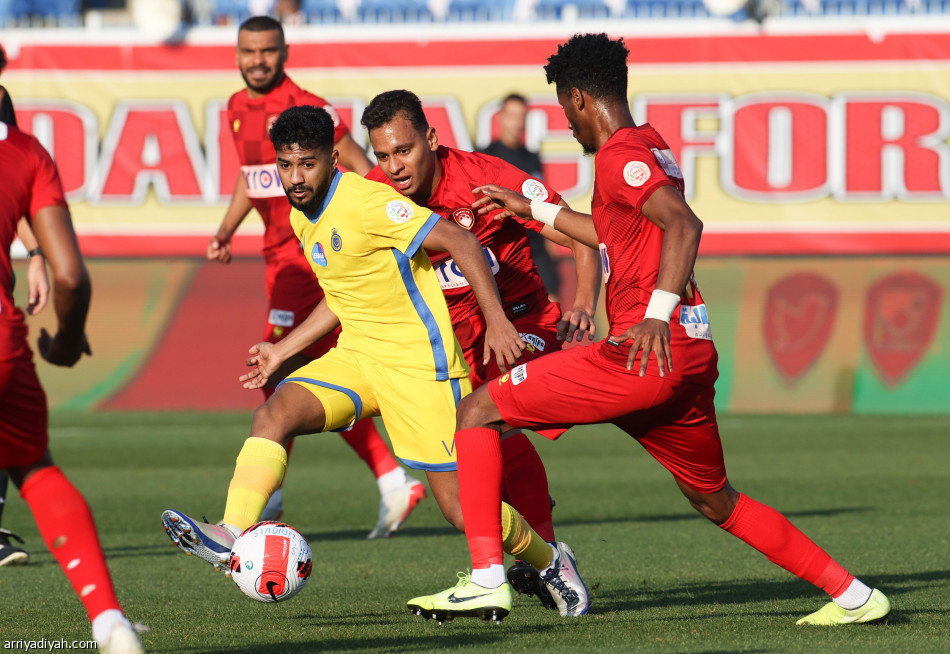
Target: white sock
column 856, row 595
column 102, row 625
column 491, row 577
column 392, row 480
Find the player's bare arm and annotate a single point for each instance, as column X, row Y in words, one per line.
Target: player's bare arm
column 501, row 337
column 352, row 156
column 266, row 358
column 578, row 320
column 71, row 287
column 577, row 225
column 36, row 280
column 219, row 249
column 667, row 209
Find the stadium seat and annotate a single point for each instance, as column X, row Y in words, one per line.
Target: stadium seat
column 60, row 12
column 230, row 11
column 558, row 9
column 480, row 10
column 321, row 11
column 394, row 11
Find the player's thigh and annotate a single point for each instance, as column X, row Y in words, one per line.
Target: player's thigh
column 682, row 433
column 340, row 388
column 24, row 436
column 419, row 415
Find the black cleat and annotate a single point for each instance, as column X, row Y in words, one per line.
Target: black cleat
column 527, row 581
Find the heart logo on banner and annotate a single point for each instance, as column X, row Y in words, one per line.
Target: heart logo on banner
column 900, row 320
column 799, row 314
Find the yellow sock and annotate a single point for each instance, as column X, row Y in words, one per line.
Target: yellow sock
column 259, row 471
column 522, row 541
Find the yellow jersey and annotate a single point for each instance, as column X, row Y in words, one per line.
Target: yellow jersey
column 364, row 243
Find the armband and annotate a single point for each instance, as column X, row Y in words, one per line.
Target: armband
column 35, row 252
column 544, row 212
column 661, row 305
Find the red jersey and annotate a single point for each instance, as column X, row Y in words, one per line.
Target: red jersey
column 30, row 183
column 250, row 119
column 505, row 241
column 629, row 167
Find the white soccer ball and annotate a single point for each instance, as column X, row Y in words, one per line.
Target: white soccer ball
column 270, row 561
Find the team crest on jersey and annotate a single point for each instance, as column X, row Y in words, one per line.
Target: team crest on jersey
column 465, row 217
column 503, row 379
column 398, row 211
column 534, row 190
column 236, row 125
column 636, row 173
column 519, row 374
column 336, row 242
column 318, row 255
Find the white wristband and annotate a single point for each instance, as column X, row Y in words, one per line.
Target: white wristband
column 661, row 305
column 544, row 212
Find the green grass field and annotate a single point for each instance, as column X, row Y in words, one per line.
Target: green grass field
column 873, row 491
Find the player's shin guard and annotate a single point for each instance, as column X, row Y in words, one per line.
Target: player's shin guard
column 66, row 526
column 785, row 545
column 259, row 472
column 480, row 479
column 370, row 446
column 526, row 483
column 521, row 541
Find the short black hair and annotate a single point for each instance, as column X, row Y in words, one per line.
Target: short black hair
column 591, row 63
column 262, row 24
column 307, row 126
column 514, row 97
column 385, row 107
column 7, row 114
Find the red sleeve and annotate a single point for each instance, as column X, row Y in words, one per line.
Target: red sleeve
column 510, row 176
column 631, row 175
column 376, row 174
column 46, row 189
column 340, row 128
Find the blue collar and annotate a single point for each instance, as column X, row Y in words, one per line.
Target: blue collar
column 314, row 216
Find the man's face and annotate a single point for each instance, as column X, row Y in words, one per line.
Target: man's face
column 580, row 125
column 261, row 57
column 511, row 120
column 407, row 157
column 305, row 175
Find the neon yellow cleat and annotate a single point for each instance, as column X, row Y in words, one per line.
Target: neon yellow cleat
column 465, row 599
column 876, row 608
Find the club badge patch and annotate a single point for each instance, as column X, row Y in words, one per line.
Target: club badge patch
column 335, row 241
column 534, row 190
column 398, row 211
column 636, row 173
column 465, row 218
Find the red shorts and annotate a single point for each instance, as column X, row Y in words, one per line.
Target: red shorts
column 674, row 420
column 24, row 437
column 293, row 293
column 538, row 329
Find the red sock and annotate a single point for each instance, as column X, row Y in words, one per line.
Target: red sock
column 526, row 484
column 785, row 545
column 480, row 478
column 69, row 532
column 366, row 441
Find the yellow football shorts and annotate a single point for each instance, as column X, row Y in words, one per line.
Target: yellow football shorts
column 419, row 414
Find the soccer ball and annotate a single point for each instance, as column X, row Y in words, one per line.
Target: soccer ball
column 270, row 561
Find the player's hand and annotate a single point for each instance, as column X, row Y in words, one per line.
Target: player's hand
column 264, row 362
column 38, row 284
column 62, row 350
column 219, row 250
column 495, row 197
column 651, row 336
column 576, row 323
column 502, row 341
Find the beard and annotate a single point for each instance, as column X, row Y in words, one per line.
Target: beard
column 307, row 207
column 268, row 86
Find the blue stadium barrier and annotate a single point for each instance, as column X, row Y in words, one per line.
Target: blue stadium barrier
column 556, row 9
column 321, row 11
column 394, row 11
column 470, row 11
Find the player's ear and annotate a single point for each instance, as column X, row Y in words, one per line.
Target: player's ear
column 578, row 98
column 432, row 139
column 335, row 157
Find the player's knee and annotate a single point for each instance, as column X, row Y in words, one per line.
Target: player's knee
column 716, row 507
column 269, row 423
column 471, row 410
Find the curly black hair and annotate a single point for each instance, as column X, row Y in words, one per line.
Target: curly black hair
column 387, row 106
column 592, row 63
column 307, row 126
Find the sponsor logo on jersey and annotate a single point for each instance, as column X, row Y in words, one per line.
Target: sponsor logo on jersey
column 450, row 275
column 532, row 339
column 262, row 181
column 534, row 190
column 604, row 261
column 398, row 211
column 465, row 217
column 519, row 374
column 336, row 242
column 278, row 332
column 503, row 379
column 318, row 255
column 236, row 125
column 695, row 321
column 281, row 317
column 667, row 162
column 521, row 307
column 636, row 173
